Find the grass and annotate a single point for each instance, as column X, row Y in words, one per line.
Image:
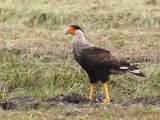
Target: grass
column 36, row 58
column 116, row 112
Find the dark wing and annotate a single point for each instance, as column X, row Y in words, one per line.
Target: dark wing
column 99, row 57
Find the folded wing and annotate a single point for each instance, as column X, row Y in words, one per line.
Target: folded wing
column 101, row 58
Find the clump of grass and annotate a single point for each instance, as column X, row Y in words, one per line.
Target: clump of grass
column 40, row 18
column 151, row 2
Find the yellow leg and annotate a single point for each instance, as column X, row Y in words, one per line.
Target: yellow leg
column 91, row 92
column 107, row 99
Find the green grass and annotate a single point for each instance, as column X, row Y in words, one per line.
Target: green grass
column 36, row 58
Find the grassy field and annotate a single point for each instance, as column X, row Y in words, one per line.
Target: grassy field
column 36, row 58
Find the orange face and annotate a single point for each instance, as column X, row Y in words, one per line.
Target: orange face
column 70, row 30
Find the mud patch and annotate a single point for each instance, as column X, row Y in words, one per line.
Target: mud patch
column 64, row 100
column 24, row 101
column 73, row 98
column 143, row 101
column 34, row 103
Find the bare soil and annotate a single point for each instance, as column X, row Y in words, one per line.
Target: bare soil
column 35, row 103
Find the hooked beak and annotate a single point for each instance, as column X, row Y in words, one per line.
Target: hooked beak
column 66, row 31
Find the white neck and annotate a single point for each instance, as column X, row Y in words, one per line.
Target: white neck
column 79, row 37
column 79, row 33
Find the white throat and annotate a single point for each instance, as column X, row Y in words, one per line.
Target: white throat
column 79, row 37
column 79, row 33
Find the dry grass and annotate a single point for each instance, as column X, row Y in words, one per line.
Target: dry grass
column 70, row 112
column 36, row 59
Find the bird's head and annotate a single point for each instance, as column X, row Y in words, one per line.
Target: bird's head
column 73, row 29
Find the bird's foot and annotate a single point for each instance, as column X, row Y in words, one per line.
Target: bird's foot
column 90, row 98
column 106, row 101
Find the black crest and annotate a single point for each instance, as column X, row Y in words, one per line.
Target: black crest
column 76, row 27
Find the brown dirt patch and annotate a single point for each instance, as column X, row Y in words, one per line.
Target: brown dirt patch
column 32, row 102
column 23, row 101
column 73, row 98
column 63, row 100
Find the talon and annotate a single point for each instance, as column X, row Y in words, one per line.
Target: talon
column 106, row 100
column 90, row 97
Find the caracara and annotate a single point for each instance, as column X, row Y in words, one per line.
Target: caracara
column 97, row 62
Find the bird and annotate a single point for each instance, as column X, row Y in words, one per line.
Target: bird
column 98, row 63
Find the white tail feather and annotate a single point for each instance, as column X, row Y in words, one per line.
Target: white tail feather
column 124, row 68
column 135, row 71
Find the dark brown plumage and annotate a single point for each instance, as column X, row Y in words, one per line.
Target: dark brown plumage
column 97, row 62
